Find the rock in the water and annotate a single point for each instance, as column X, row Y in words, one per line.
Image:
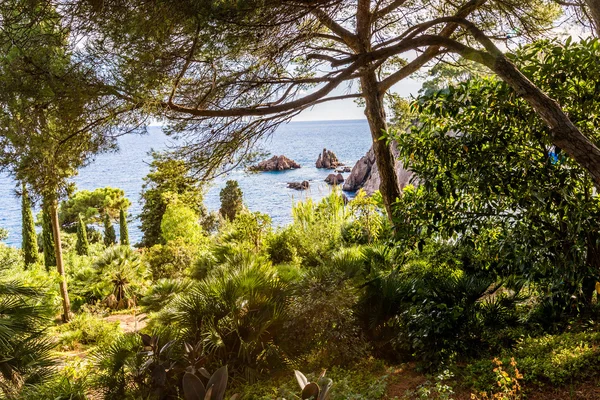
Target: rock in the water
column 334, row 179
column 365, row 173
column 299, row 185
column 328, row 160
column 276, row 163
column 343, row 168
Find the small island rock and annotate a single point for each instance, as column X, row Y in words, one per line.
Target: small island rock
column 299, row 185
column 328, row 160
column 276, row 163
column 334, row 179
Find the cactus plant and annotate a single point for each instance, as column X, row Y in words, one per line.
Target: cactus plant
column 311, row 390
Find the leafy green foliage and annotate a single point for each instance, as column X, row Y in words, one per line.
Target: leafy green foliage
column 316, row 227
column 168, row 178
column 180, row 222
column 235, row 312
column 170, row 260
column 322, row 327
column 87, row 329
column 117, row 277
column 548, row 359
column 367, row 222
column 232, row 201
column 29, row 237
column 248, row 228
column 491, row 180
column 92, row 206
column 24, row 345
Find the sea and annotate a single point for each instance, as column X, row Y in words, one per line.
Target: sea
column 266, row 192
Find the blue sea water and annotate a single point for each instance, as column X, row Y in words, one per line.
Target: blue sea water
column 266, row 192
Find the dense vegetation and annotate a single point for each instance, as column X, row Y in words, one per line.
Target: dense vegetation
column 479, row 279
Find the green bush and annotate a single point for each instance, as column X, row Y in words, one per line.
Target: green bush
column 549, row 359
column 281, row 246
column 236, row 312
column 317, row 227
column 162, row 292
column 118, row 277
column 58, row 387
column 365, row 380
column 322, row 328
column 170, row 260
column 87, row 329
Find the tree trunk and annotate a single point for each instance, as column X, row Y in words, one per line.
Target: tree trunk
column 53, row 209
column 564, row 133
column 375, row 112
column 594, row 8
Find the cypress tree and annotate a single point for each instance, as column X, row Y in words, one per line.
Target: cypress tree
column 29, row 243
column 48, row 241
column 110, row 236
column 123, row 230
column 82, row 246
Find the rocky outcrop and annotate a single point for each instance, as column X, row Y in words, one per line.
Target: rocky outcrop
column 328, row 160
column 298, row 185
column 334, row 179
column 276, row 163
column 365, row 174
column 344, row 168
column 360, row 172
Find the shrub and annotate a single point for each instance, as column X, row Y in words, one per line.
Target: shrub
column 82, row 246
column 281, row 246
column 171, row 259
column 367, row 222
column 317, row 227
column 236, row 313
column 549, row 359
column 87, row 329
column 162, row 292
column 181, row 222
column 435, row 311
column 24, row 346
column 250, row 228
column 322, row 328
column 119, row 277
column 110, row 236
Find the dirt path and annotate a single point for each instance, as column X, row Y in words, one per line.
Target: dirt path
column 129, row 322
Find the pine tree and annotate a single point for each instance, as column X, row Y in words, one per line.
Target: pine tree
column 110, row 236
column 82, row 246
column 29, row 244
column 48, row 241
column 123, row 230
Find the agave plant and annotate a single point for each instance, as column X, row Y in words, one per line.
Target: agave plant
column 312, row 390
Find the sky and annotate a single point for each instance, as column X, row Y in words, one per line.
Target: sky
column 348, row 109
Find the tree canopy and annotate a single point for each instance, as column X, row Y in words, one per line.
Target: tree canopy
column 92, row 205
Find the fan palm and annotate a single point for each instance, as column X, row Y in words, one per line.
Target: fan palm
column 24, row 347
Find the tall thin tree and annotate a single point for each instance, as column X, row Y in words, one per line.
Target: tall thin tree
column 110, row 236
column 48, row 240
column 83, row 245
column 29, row 244
column 123, row 229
